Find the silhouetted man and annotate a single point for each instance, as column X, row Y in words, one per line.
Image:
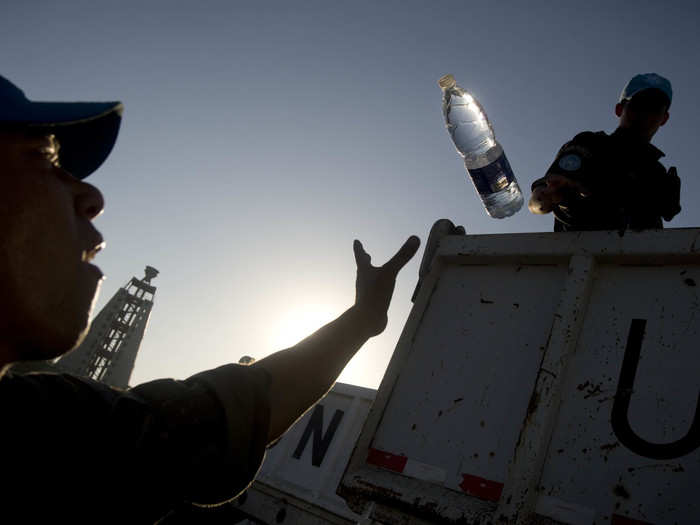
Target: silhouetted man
column 77, row 451
column 614, row 182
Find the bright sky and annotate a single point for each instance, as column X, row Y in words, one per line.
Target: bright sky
column 260, row 138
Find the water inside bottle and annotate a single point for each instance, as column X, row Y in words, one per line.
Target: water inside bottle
column 484, row 158
column 504, row 203
column 467, row 123
column 495, row 182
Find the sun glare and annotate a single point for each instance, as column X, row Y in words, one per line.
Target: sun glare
column 294, row 325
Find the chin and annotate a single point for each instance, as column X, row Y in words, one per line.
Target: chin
column 56, row 343
column 72, row 339
column 38, row 352
column 52, row 330
column 79, row 339
column 58, row 348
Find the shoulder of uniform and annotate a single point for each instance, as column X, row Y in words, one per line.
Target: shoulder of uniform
column 585, row 143
column 590, row 137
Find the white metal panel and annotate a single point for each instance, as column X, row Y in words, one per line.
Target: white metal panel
column 266, row 505
column 587, row 463
column 306, row 464
column 465, row 358
column 520, row 497
column 476, row 351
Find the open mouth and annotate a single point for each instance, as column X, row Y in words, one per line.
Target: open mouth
column 89, row 255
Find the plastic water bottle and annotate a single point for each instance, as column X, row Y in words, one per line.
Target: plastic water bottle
column 484, row 158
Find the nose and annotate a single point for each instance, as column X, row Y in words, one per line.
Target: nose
column 89, row 201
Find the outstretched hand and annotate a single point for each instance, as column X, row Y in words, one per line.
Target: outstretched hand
column 558, row 190
column 560, row 187
column 375, row 285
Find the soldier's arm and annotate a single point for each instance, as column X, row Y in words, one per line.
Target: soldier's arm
column 303, row 374
column 563, row 183
column 540, row 200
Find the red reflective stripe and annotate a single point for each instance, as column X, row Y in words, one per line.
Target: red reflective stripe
column 481, row 488
column 623, row 520
column 386, row 460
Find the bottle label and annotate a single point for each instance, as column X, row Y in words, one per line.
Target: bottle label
column 492, row 177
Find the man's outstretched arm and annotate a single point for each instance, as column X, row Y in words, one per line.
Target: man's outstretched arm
column 304, row 373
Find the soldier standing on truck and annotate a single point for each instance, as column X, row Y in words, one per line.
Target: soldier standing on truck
column 614, row 182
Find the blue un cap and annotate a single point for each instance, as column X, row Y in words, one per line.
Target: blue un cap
column 86, row 131
column 647, row 81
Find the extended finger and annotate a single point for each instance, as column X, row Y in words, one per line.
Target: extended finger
column 362, row 258
column 408, row 250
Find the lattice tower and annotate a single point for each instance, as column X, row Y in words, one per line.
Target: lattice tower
column 109, row 350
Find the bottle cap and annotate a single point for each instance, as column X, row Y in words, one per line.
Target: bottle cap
column 447, row 82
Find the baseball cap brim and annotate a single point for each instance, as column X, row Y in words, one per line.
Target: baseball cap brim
column 644, row 82
column 86, row 131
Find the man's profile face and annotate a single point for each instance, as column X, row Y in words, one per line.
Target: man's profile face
column 47, row 285
column 644, row 114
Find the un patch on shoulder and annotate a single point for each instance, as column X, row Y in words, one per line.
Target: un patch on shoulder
column 571, row 162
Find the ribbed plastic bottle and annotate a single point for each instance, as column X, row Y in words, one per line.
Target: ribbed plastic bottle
column 484, row 158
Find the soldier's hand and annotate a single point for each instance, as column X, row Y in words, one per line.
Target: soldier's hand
column 561, row 187
column 375, row 285
column 557, row 189
column 540, row 201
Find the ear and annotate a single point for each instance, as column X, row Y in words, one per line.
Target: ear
column 618, row 109
column 665, row 119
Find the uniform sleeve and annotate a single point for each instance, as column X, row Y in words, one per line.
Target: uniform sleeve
column 581, row 160
column 244, row 394
column 152, row 446
column 576, row 159
column 572, row 160
column 214, row 427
